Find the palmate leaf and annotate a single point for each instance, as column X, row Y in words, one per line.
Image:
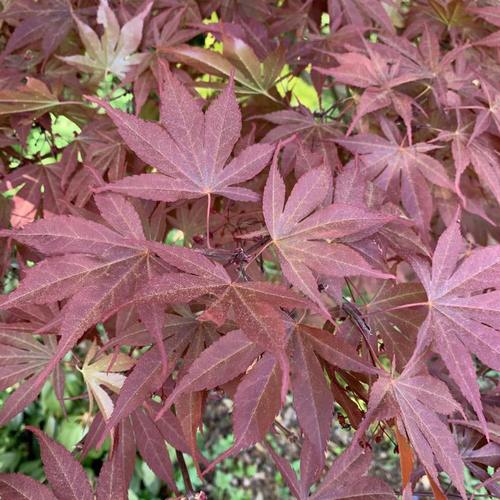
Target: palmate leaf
column 379, row 76
column 415, row 399
column 190, row 149
column 147, row 377
column 312, row 398
column 256, row 404
column 95, row 267
column 113, row 53
column 457, row 323
column 48, row 20
column 338, row 484
column 152, row 447
column 66, row 477
column 253, row 76
column 401, row 171
column 299, row 237
column 223, row 361
column 254, row 304
column 22, row 358
column 397, row 328
column 110, row 484
column 104, row 372
column 33, row 98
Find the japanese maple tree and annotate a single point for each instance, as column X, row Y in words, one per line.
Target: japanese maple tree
column 283, row 204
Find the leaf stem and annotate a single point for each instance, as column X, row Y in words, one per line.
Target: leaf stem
column 185, row 474
column 404, row 306
column 258, row 253
column 349, row 284
column 209, row 203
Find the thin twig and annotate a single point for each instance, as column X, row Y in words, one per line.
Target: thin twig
column 188, row 486
column 404, row 306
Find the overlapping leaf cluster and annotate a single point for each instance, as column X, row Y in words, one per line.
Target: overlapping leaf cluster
column 185, row 223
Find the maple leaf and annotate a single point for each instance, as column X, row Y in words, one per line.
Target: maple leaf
column 151, row 371
column 103, row 372
column 457, row 322
column 225, row 359
column 96, row 267
column 415, row 397
column 113, row 53
column 254, row 304
column 359, row 11
column 152, row 447
column 313, row 399
column 401, row 170
column 351, row 187
column 427, row 62
column 22, row 487
column 48, row 21
column 302, row 122
column 256, row 404
column 336, row 485
column 253, row 76
column 190, row 150
column 296, row 234
column 33, row 97
column 488, row 114
column 22, row 358
column 379, row 76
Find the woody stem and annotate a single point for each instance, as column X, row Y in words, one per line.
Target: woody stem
column 404, row 306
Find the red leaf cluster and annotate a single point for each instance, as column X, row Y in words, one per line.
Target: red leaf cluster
column 168, row 184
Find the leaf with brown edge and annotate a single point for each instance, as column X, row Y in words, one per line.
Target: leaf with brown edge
column 22, row 487
column 66, row 476
column 405, row 457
